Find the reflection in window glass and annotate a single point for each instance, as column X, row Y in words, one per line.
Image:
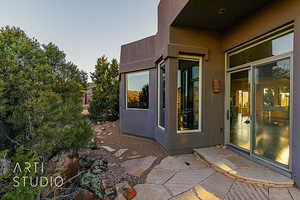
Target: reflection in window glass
column 162, row 94
column 273, row 47
column 188, row 91
column 138, row 90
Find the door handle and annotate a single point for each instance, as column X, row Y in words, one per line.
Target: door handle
column 228, row 114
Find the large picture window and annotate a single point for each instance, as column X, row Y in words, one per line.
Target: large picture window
column 162, row 94
column 138, row 90
column 188, row 95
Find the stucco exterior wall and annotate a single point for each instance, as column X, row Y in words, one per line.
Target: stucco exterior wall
column 208, row 45
column 273, row 16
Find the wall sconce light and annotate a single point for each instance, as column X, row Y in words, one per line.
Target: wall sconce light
column 216, row 86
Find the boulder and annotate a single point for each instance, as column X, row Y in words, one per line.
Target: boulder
column 4, row 166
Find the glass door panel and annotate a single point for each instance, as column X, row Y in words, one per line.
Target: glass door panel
column 240, row 109
column 272, row 105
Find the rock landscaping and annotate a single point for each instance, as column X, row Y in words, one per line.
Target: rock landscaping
column 104, row 171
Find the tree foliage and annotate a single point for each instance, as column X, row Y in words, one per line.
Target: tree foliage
column 105, row 100
column 40, row 97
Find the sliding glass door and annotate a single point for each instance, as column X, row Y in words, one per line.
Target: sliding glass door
column 240, row 109
column 259, row 110
column 272, row 110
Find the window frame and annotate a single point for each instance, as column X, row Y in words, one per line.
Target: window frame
column 158, row 93
column 255, row 42
column 126, row 90
column 199, row 60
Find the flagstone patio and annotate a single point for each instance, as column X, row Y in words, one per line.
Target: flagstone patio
column 188, row 177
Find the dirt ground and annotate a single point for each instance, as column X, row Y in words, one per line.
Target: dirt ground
column 108, row 134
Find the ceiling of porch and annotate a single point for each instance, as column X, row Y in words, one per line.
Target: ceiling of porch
column 217, row 15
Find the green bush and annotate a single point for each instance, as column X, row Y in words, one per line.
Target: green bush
column 40, row 101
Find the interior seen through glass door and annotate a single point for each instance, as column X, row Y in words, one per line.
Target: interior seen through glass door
column 240, row 109
column 272, row 111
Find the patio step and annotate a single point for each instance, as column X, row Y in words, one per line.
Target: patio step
column 242, row 169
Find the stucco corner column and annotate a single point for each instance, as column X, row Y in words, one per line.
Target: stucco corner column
column 171, row 99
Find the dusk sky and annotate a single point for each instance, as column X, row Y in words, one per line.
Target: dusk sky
column 84, row 30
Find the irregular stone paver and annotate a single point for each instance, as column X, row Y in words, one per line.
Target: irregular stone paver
column 136, row 167
column 235, row 165
column 295, row 193
column 263, row 175
column 151, row 192
column 159, row 176
column 215, row 186
column 107, row 148
column 241, row 162
column 279, row 194
column 203, row 194
column 133, row 157
column 243, row 191
column 191, row 161
column 187, row 179
column 189, row 195
column 120, row 152
column 172, row 163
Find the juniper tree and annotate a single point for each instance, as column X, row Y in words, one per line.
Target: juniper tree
column 105, row 100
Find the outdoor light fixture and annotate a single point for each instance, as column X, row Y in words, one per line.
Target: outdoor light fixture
column 216, row 86
column 221, row 11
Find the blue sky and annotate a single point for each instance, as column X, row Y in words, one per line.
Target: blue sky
column 84, row 30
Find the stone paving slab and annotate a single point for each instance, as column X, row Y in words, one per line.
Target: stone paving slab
column 279, row 194
column 295, row 193
column 262, row 175
column 120, row 152
column 136, row 167
column 151, row 192
column 189, row 195
column 215, row 186
column 205, row 194
column 172, row 163
column 187, row 179
column 191, row 161
column 243, row 191
column 108, row 148
column 159, row 176
column 235, row 166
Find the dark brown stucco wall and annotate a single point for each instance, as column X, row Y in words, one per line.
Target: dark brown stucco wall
column 138, row 55
column 261, row 22
column 208, row 44
column 167, row 11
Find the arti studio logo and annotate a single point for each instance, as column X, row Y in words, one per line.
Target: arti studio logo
column 36, row 181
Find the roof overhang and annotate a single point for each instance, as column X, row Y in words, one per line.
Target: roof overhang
column 217, row 15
